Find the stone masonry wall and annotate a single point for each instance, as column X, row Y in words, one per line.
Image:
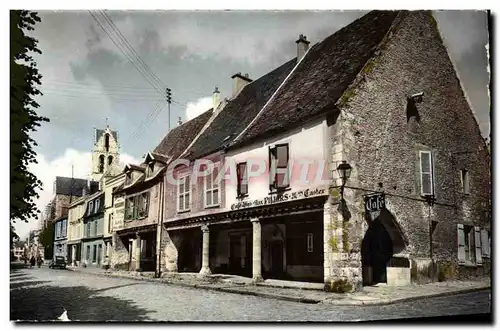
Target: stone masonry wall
column 381, row 142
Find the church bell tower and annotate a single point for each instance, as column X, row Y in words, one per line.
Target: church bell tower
column 105, row 154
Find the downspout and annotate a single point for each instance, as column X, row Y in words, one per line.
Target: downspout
column 159, row 228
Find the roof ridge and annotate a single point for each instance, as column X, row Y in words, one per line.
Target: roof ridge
column 216, row 113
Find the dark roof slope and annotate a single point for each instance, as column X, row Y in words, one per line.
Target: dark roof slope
column 64, row 184
column 240, row 111
column 179, row 138
column 324, row 74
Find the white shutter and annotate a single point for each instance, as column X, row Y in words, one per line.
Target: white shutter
column 485, row 247
column 477, row 243
column 426, row 177
column 461, row 243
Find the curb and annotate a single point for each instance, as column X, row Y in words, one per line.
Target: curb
column 385, row 302
column 209, row 288
column 291, row 298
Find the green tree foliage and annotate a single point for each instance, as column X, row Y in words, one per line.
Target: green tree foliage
column 46, row 236
column 24, row 78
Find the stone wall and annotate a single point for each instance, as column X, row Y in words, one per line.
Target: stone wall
column 120, row 256
column 381, row 139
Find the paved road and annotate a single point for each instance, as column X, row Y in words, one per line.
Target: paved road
column 42, row 294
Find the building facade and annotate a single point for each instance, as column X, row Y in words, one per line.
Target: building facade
column 93, row 229
column 60, row 237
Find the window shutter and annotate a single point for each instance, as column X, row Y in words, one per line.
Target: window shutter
column 426, row 184
column 272, row 168
column 485, row 247
column 461, row 244
column 477, row 242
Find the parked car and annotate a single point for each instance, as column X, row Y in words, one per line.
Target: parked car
column 58, row 262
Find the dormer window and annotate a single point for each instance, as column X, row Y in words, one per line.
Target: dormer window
column 150, row 169
column 128, row 178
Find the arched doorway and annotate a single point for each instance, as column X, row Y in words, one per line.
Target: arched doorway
column 382, row 240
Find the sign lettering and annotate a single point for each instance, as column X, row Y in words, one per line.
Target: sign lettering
column 269, row 200
column 374, row 202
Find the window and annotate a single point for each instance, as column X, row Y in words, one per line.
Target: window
column 426, row 173
column 97, row 204
column 212, row 189
column 485, row 243
column 242, row 176
column 95, row 227
column 469, row 245
column 110, row 223
column 150, row 169
column 278, row 167
column 87, row 229
column 464, row 178
column 110, row 160
column 129, row 208
column 101, row 164
column 94, row 255
column 183, row 190
column 106, row 142
column 310, row 246
column 91, row 206
column 88, row 253
column 142, row 205
column 128, row 178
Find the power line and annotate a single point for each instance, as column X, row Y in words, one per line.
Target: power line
column 103, row 96
column 154, row 113
column 67, row 82
column 129, row 89
column 97, row 93
column 151, row 73
column 155, row 86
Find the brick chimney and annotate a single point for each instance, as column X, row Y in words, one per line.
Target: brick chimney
column 216, row 98
column 239, row 82
column 302, row 47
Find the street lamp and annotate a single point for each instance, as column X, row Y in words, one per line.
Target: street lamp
column 344, row 170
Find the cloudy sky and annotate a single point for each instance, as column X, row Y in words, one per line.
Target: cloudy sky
column 87, row 79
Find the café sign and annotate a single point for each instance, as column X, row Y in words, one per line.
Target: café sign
column 275, row 198
column 374, row 202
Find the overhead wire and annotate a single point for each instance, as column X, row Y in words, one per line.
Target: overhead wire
column 127, row 56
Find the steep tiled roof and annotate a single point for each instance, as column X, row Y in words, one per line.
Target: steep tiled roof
column 63, row 186
column 180, row 137
column 323, row 75
column 239, row 112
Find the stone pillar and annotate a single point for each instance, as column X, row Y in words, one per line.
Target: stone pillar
column 205, row 257
column 257, row 250
column 73, row 254
column 138, row 246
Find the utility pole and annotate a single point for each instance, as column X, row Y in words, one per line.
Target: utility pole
column 169, row 101
column 71, row 188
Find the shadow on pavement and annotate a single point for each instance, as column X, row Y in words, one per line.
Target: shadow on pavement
column 47, row 303
column 16, row 286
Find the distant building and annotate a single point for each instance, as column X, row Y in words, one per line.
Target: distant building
column 60, row 237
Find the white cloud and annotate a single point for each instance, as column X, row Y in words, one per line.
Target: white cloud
column 197, row 107
column 46, row 171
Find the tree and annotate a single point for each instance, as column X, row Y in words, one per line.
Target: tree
column 24, row 78
column 46, row 238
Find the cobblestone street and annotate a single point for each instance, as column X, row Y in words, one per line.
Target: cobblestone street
column 43, row 294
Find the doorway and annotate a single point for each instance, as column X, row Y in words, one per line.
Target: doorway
column 239, row 257
column 376, row 252
column 276, row 254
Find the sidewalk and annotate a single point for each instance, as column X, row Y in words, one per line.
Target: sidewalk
column 303, row 292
